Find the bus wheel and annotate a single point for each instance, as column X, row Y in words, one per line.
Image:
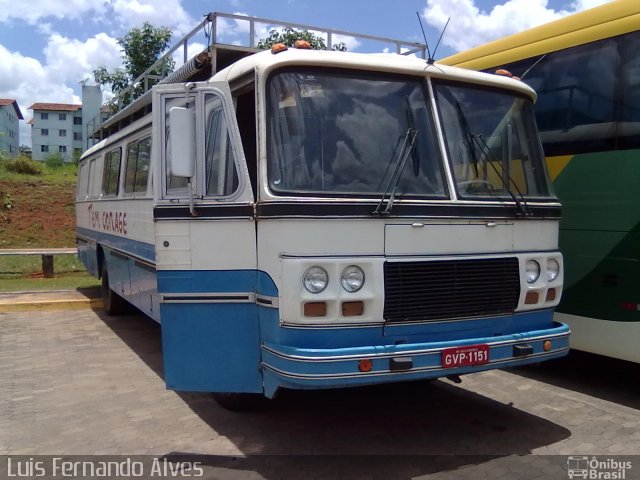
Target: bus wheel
column 241, row 402
column 113, row 303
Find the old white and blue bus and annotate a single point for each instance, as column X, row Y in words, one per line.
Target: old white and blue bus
column 318, row 219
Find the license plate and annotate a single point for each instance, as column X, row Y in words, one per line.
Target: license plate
column 465, row 356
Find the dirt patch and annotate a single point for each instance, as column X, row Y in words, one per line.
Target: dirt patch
column 36, row 213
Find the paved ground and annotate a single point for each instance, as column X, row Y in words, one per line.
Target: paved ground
column 77, row 382
column 50, row 300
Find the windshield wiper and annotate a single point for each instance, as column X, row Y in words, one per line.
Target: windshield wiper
column 415, row 156
column 504, row 174
column 408, row 139
column 468, row 136
column 484, row 148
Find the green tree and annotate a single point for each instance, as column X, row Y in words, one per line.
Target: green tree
column 141, row 48
column 288, row 36
column 25, row 150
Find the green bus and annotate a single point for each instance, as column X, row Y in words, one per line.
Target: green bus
column 585, row 69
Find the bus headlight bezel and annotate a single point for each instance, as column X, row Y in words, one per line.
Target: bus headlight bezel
column 532, row 271
column 553, row 269
column 315, row 279
column 352, row 278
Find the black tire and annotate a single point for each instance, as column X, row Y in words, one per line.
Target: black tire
column 113, row 303
column 241, row 402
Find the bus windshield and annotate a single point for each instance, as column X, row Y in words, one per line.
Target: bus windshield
column 341, row 133
column 492, row 142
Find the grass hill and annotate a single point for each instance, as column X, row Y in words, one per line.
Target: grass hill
column 38, row 210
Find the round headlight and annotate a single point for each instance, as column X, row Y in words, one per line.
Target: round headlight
column 352, row 278
column 315, row 279
column 532, row 271
column 553, row 269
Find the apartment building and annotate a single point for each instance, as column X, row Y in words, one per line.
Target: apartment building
column 56, row 128
column 61, row 128
column 10, row 116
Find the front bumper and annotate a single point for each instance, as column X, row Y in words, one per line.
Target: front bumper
column 299, row 368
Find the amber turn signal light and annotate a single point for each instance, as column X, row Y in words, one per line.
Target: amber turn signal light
column 531, row 298
column 352, row 309
column 551, row 295
column 315, row 309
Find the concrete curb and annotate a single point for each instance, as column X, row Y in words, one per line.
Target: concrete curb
column 50, row 300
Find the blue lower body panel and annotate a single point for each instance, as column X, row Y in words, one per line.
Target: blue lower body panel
column 210, row 331
column 217, row 337
column 211, row 348
column 300, row 368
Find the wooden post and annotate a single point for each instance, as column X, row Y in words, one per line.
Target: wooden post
column 47, row 266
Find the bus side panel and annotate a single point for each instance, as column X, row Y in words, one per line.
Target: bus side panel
column 210, row 331
column 86, row 238
column 88, row 256
column 599, row 234
column 144, row 294
column 118, row 268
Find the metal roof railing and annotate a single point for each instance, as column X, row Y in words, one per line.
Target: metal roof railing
column 211, row 27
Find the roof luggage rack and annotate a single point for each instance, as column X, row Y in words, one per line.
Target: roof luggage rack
column 214, row 58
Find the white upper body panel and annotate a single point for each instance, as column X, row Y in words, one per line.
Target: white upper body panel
column 264, row 62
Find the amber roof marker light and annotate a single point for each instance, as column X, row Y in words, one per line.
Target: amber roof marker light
column 303, row 44
column 504, row 73
column 278, row 47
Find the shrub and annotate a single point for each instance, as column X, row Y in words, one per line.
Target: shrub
column 54, row 160
column 23, row 165
column 7, row 201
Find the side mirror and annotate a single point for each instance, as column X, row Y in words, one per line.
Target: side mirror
column 182, row 138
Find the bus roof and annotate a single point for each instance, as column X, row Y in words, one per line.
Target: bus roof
column 136, row 126
column 381, row 62
column 615, row 18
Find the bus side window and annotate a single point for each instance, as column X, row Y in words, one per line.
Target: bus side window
column 142, row 169
column 111, row 172
column 130, row 169
column 578, row 94
column 137, row 169
column 83, row 185
column 221, row 173
column 629, row 128
column 91, row 180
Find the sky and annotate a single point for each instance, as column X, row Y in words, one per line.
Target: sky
column 48, row 47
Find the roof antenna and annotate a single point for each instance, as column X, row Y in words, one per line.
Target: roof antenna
column 431, row 59
column 426, row 44
column 441, row 35
column 531, row 67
